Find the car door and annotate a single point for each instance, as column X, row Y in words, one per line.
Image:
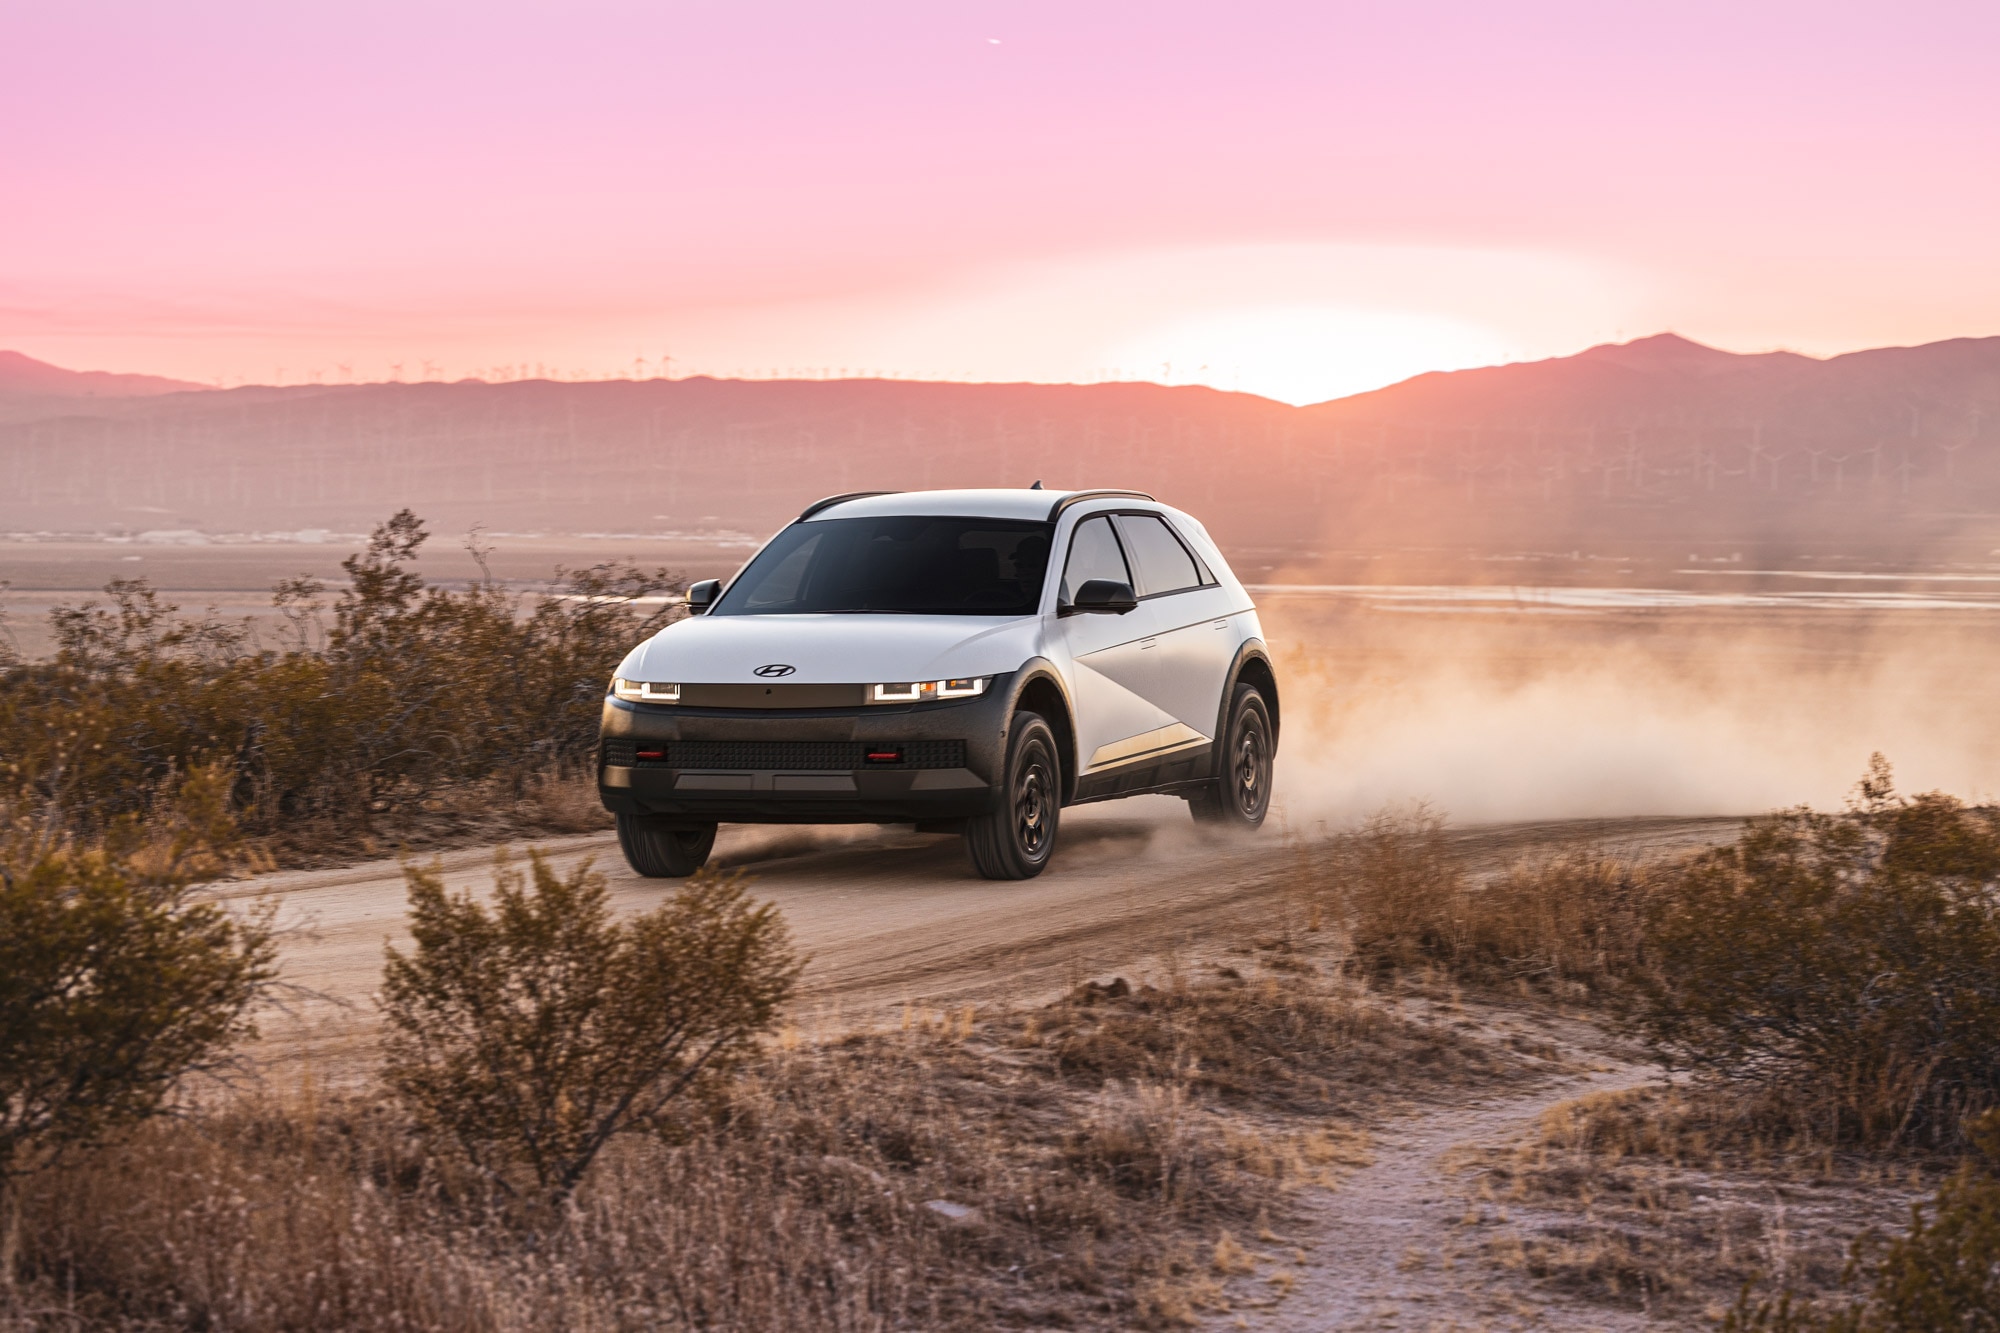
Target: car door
column 1190, row 622
column 1111, row 656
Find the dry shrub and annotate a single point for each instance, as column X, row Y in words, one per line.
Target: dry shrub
column 116, row 983
column 1838, row 971
column 532, row 1033
column 1401, row 888
column 1570, row 923
column 1841, row 970
column 366, row 722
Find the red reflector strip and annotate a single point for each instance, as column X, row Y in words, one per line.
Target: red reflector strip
column 885, row 756
column 652, row 754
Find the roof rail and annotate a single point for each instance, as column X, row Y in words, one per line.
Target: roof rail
column 1078, row 497
column 833, row 500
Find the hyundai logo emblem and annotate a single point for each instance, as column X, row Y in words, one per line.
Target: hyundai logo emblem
column 774, row 669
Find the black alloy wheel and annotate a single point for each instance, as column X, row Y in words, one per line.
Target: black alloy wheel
column 1240, row 796
column 664, row 851
column 1016, row 840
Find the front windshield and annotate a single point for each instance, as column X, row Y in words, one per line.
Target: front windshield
column 908, row 564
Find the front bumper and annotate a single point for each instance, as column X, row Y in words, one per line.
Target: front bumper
column 805, row 766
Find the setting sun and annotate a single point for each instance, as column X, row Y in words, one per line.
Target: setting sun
column 1307, row 354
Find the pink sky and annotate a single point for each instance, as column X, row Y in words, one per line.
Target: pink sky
column 1298, row 199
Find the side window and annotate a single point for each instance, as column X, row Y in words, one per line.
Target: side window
column 1164, row 564
column 1093, row 554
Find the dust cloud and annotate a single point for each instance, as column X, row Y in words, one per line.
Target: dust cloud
column 1493, row 718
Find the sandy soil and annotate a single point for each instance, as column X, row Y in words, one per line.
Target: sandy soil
column 890, row 918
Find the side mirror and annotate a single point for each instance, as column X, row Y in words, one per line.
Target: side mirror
column 702, row 595
column 1104, row 597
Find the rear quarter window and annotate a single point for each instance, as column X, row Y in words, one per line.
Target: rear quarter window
column 1164, row 564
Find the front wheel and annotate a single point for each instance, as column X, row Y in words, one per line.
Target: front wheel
column 1240, row 794
column 1015, row 841
column 660, row 851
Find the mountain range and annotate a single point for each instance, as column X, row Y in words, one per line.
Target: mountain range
column 24, row 380
column 1661, row 440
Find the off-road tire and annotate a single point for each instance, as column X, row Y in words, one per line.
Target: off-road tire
column 1240, row 795
column 662, row 851
column 1016, row 840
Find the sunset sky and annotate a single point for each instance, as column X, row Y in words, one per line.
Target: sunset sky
column 1300, row 200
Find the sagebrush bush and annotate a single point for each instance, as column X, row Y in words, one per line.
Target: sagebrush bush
column 532, row 1032
column 1841, row 969
column 409, row 690
column 1846, row 966
column 115, row 984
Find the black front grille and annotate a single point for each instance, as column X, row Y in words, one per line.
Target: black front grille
column 784, row 756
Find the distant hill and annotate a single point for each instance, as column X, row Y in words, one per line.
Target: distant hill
column 1665, row 437
column 24, row 377
column 1861, row 397
column 1660, row 440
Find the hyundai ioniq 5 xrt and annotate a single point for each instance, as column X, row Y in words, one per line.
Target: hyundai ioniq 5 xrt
column 967, row 661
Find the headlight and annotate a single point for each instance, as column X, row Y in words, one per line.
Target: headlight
column 920, row 691
column 645, row 691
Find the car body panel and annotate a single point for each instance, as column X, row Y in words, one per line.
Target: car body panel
column 1116, row 697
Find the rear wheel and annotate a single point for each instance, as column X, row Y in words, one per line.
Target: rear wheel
column 1240, row 795
column 1015, row 841
column 661, row 851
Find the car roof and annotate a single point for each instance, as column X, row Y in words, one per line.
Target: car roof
column 997, row 502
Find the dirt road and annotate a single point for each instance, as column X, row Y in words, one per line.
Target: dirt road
column 893, row 919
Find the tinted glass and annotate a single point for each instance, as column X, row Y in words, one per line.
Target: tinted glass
column 1164, row 564
column 1093, row 554
column 912, row 565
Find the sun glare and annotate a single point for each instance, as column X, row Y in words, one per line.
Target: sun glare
column 1307, row 354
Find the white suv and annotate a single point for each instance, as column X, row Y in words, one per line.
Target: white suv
column 920, row 658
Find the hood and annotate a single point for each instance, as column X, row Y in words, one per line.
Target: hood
column 833, row 649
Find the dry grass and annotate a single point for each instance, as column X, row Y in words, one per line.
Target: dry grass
column 1669, row 1200
column 1075, row 1165
column 1569, row 925
column 1288, row 1041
